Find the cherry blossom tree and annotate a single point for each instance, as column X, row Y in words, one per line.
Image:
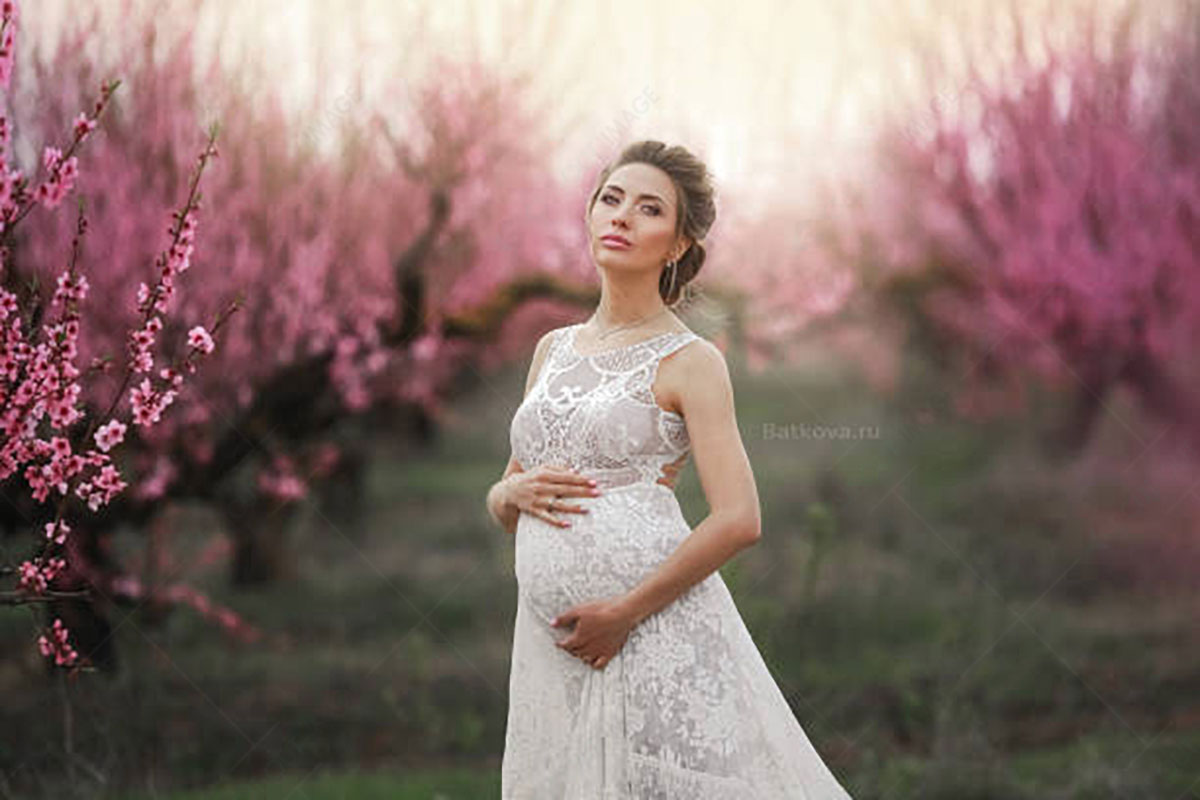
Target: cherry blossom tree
column 42, row 386
column 1040, row 219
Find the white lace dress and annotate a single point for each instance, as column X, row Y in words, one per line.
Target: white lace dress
column 687, row 709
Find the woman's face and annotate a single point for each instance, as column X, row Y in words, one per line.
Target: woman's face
column 637, row 203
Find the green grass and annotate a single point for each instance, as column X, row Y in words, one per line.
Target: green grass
column 445, row 784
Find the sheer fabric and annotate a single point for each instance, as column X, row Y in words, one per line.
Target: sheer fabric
column 687, row 708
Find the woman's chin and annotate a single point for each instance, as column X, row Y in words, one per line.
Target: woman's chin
column 619, row 261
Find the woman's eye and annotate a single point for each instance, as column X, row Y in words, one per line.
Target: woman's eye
column 649, row 208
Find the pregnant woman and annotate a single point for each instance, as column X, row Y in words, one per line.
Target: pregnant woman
column 633, row 675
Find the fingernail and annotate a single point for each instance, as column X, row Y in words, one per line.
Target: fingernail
column 591, row 481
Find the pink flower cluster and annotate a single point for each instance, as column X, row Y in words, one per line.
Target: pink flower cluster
column 199, row 339
column 57, row 531
column 37, row 574
column 281, row 481
column 8, row 41
column 174, row 262
column 357, row 358
column 156, row 481
column 60, row 180
column 57, row 645
column 110, row 435
column 102, row 488
column 49, row 389
column 147, row 401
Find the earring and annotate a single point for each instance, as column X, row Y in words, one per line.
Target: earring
column 674, row 272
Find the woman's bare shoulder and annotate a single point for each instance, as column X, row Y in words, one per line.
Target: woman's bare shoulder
column 701, row 355
column 698, row 367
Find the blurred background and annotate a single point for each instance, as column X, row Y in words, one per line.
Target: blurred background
column 955, row 273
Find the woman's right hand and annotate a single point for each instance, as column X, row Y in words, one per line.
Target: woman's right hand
column 539, row 492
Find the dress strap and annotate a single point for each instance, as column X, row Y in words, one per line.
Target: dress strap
column 670, row 344
column 559, row 341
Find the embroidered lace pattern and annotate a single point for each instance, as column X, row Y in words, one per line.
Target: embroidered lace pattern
column 687, row 708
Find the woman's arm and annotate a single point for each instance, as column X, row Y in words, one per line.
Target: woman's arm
column 705, row 396
column 502, row 511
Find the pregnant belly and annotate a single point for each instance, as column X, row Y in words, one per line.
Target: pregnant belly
column 627, row 532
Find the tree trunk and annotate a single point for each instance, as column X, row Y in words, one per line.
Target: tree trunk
column 341, row 495
column 1071, row 434
column 1165, row 397
column 261, row 551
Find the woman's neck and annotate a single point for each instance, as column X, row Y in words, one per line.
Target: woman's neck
column 627, row 304
column 606, row 318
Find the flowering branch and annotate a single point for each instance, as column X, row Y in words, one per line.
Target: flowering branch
column 38, row 375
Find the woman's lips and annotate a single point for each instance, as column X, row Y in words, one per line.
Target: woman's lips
column 615, row 242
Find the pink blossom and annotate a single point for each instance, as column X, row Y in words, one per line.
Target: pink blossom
column 50, row 158
column 61, row 179
column 142, row 399
column 200, row 339
column 128, row 585
column 8, row 10
column 281, row 481
column 57, row 532
column 36, row 575
column 57, row 645
column 172, row 375
column 156, row 483
column 32, row 579
column 99, row 491
column 83, row 125
column 110, row 435
column 70, row 289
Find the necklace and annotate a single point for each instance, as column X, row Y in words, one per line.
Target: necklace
column 602, row 336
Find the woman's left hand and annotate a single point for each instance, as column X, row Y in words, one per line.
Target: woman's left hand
column 601, row 629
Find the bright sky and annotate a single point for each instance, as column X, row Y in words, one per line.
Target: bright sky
column 779, row 83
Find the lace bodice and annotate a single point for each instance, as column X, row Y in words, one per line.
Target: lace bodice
column 596, row 413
